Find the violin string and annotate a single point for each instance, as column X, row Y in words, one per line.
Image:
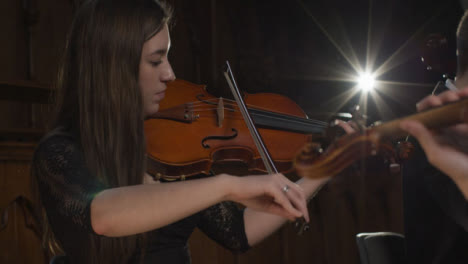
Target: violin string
column 234, row 105
column 286, row 118
column 231, row 102
column 255, row 108
column 278, row 118
column 234, row 108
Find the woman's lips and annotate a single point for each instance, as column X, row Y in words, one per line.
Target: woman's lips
column 160, row 95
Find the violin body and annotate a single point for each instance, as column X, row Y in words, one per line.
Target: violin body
column 194, row 129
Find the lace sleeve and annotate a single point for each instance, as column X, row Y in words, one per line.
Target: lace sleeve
column 224, row 223
column 66, row 185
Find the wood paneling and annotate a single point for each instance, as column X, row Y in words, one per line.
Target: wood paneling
column 19, row 243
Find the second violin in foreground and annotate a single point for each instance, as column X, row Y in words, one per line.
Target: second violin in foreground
column 312, row 162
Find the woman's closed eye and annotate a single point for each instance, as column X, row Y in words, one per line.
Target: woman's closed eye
column 155, row 63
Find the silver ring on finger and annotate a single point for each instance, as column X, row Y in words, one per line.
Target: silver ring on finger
column 285, row 189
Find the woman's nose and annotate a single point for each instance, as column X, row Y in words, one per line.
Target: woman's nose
column 168, row 74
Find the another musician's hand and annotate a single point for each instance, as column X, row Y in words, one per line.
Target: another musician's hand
column 446, row 149
column 349, row 127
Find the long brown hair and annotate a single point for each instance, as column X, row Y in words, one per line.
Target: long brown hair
column 98, row 98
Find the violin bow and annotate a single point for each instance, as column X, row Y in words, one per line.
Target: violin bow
column 263, row 151
column 301, row 224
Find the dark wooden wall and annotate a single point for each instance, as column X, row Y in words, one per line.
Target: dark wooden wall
column 364, row 198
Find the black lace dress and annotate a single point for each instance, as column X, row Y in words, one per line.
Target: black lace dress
column 67, row 188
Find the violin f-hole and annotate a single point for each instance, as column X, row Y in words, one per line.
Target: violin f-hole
column 218, row 138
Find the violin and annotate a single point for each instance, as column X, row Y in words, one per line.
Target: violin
column 313, row 162
column 194, row 129
column 185, row 139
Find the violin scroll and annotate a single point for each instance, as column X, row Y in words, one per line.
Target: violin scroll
column 312, row 162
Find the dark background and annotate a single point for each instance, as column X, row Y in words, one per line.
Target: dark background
column 299, row 48
column 302, row 49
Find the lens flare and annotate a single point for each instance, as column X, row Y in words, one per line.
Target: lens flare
column 366, row 82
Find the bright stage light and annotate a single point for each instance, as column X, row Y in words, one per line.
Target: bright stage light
column 366, row 82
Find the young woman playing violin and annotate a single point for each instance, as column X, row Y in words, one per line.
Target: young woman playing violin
column 99, row 205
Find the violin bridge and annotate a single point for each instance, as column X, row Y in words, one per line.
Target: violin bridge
column 220, row 112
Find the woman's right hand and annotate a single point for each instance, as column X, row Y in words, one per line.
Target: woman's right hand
column 273, row 193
